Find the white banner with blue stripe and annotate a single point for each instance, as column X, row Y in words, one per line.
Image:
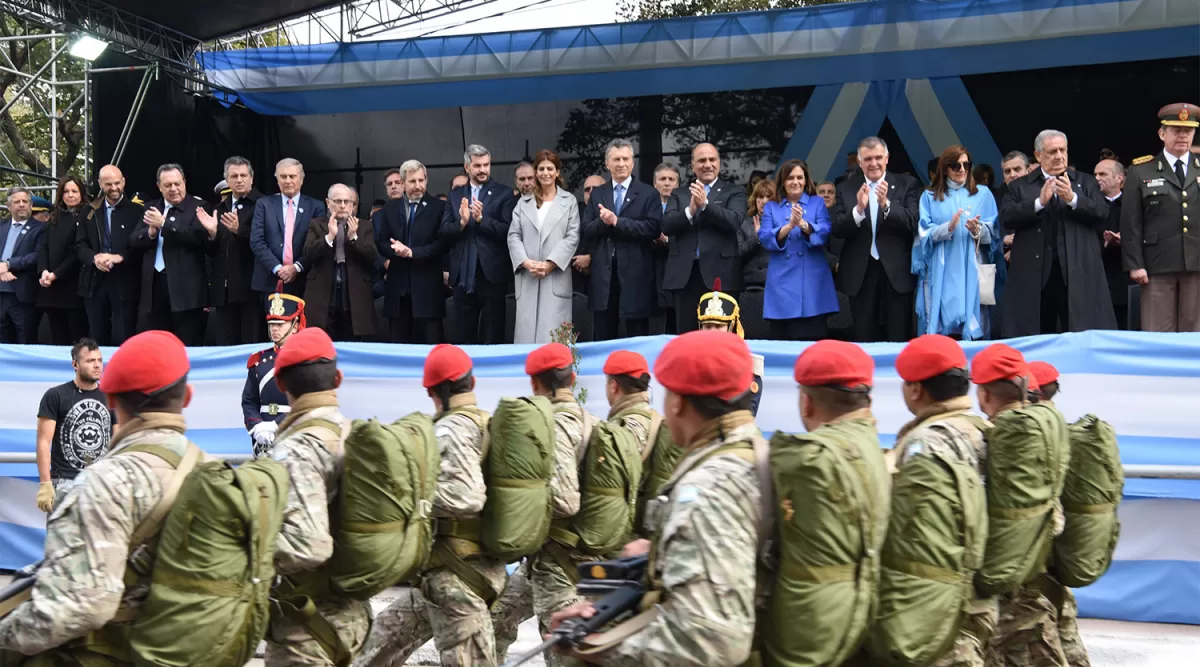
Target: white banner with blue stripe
column 1143, row 384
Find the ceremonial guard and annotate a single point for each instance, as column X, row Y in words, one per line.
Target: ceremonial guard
column 720, row 311
column 1159, row 252
column 264, row 405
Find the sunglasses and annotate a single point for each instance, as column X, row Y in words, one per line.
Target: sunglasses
column 960, row 166
column 589, row 188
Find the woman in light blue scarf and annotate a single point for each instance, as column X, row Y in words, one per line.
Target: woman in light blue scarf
column 957, row 217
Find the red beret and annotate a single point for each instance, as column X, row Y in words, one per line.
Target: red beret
column 445, row 363
column 998, row 362
column 147, row 363
column 928, row 356
column 624, row 362
column 1043, row 372
column 706, row 363
column 833, row 362
column 547, row 358
column 311, row 344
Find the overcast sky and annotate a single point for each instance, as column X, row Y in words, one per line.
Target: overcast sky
column 512, row 15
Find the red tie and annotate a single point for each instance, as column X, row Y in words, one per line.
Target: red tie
column 289, row 227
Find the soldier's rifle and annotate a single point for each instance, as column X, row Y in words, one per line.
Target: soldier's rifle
column 16, row 591
column 620, row 582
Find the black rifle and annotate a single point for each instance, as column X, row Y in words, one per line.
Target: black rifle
column 23, row 580
column 621, row 584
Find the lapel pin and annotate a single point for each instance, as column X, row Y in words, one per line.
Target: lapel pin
column 172, row 218
column 301, row 210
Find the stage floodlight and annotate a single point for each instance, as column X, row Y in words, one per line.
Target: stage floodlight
column 87, row 47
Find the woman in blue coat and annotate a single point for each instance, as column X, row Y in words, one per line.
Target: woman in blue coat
column 799, row 292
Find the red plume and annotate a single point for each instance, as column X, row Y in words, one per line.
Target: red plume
column 717, row 285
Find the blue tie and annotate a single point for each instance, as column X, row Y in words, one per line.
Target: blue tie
column 618, row 199
column 412, row 216
column 159, row 262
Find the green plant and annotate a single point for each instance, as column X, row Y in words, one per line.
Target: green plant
column 565, row 334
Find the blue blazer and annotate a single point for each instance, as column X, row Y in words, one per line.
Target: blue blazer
column 23, row 263
column 489, row 237
column 266, row 240
column 799, row 283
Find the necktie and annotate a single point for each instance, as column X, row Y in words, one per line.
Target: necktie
column 618, row 199
column 707, row 189
column 474, row 193
column 159, row 263
column 412, row 216
column 289, row 229
column 1179, row 171
column 873, row 210
column 339, row 243
column 106, row 241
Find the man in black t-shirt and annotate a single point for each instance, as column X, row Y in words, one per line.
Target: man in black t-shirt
column 74, row 425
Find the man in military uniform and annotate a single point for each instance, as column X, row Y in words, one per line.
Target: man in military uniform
column 264, row 404
column 41, row 208
column 1046, row 377
column 311, row 445
column 700, row 604
column 1161, row 198
column 82, row 604
column 451, row 604
column 1027, row 631
column 936, row 388
column 718, row 310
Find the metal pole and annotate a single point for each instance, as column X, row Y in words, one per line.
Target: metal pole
column 130, row 68
column 17, row 38
column 23, row 172
column 54, row 114
column 131, row 119
column 87, row 122
column 1149, row 471
column 41, row 70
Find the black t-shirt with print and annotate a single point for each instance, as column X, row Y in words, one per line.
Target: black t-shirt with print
column 82, row 427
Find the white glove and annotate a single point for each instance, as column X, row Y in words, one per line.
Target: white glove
column 263, row 433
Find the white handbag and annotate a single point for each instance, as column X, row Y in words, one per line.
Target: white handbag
column 987, row 277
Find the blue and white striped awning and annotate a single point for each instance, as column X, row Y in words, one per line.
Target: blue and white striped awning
column 833, row 44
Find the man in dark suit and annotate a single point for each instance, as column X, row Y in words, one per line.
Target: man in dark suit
column 342, row 258
column 623, row 219
column 480, row 268
column 581, row 264
column 701, row 224
column 1056, row 277
column 19, row 237
column 277, row 233
column 1110, row 175
column 876, row 214
column 110, row 277
column 173, row 240
column 412, row 247
column 238, row 315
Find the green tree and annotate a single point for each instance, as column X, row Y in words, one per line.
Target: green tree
column 25, row 128
column 753, row 124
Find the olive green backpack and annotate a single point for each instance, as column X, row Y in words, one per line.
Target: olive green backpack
column 518, row 469
column 658, row 464
column 608, row 489
column 209, row 592
column 1028, row 452
column 935, row 543
column 1092, row 490
column 833, row 492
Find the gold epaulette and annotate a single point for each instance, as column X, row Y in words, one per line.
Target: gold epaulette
column 138, row 200
column 1143, row 160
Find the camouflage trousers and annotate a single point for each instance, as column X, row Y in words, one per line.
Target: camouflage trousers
column 1068, row 632
column 539, row 588
column 289, row 643
column 1027, row 634
column 443, row 609
column 971, row 646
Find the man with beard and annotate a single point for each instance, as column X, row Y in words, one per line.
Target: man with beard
column 74, row 425
column 264, row 405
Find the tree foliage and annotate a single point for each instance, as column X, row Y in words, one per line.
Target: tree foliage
column 25, row 128
column 754, row 124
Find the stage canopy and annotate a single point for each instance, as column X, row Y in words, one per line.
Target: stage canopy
column 218, row 18
column 886, row 40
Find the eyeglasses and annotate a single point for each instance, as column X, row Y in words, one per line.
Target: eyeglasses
column 960, row 166
column 589, row 188
column 343, row 202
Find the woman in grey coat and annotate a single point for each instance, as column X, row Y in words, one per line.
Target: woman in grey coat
column 541, row 241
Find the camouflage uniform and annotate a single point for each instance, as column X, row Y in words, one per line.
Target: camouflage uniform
column 81, row 584
column 552, row 586
column 313, row 455
column 637, row 414
column 704, row 555
column 444, row 607
column 946, row 428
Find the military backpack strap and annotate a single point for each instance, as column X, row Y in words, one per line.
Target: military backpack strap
column 656, row 422
column 482, row 419
column 303, row 610
column 182, row 465
column 444, row 556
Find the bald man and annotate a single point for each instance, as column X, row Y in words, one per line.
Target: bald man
column 701, row 224
column 109, row 281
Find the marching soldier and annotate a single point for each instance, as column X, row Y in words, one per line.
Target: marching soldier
column 82, row 604
column 1161, row 202
column 700, row 602
column 264, row 405
column 718, row 310
column 311, row 445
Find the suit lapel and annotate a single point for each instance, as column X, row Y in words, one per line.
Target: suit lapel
column 553, row 219
column 1193, row 172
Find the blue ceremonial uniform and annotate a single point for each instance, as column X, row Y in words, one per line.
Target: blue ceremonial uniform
column 261, row 398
